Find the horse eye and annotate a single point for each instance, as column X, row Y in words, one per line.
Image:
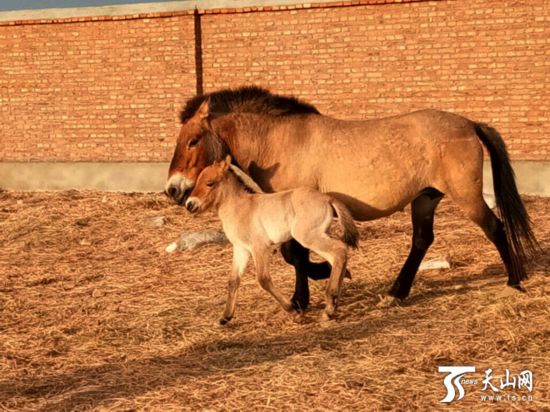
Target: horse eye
column 194, row 142
column 210, row 184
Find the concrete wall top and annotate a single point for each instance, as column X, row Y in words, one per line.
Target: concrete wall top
column 147, row 8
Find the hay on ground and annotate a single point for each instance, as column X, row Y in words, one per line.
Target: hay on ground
column 94, row 314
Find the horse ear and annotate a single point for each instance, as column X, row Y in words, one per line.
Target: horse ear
column 204, row 109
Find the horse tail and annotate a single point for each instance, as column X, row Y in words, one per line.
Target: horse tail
column 517, row 224
column 351, row 235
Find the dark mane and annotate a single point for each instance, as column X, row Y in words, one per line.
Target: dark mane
column 247, row 99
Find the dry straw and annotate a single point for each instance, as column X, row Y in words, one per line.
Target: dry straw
column 95, row 315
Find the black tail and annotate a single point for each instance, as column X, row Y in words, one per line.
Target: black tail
column 517, row 225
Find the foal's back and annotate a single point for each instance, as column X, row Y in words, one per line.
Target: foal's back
column 272, row 217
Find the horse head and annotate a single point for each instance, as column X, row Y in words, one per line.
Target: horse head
column 208, row 130
column 197, row 147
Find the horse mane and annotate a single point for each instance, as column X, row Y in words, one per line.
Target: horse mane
column 247, row 99
column 244, row 179
column 241, row 182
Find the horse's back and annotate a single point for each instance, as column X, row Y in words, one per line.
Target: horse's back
column 378, row 166
column 440, row 123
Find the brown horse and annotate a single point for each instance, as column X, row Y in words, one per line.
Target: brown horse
column 375, row 167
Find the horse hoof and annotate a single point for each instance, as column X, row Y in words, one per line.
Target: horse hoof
column 397, row 293
column 288, row 307
column 298, row 317
column 388, row 302
column 326, row 318
column 519, row 287
column 224, row 321
column 347, row 274
column 299, row 305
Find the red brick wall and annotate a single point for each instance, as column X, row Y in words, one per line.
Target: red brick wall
column 95, row 91
column 111, row 89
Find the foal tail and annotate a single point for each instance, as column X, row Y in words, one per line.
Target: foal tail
column 351, row 235
column 517, row 225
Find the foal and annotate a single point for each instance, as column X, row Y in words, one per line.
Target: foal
column 253, row 222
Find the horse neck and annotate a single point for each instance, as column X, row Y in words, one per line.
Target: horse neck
column 244, row 135
column 231, row 196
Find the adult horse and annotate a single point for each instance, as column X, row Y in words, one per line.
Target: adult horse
column 376, row 167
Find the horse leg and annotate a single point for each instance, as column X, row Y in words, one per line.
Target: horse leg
column 261, row 259
column 422, row 211
column 478, row 211
column 298, row 256
column 240, row 260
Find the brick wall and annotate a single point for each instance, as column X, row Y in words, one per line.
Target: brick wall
column 96, row 90
column 110, row 89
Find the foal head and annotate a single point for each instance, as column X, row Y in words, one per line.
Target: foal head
column 207, row 190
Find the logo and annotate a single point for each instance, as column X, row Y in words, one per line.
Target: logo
column 453, row 380
column 493, row 389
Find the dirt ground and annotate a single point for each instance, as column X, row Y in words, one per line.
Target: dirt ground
column 94, row 314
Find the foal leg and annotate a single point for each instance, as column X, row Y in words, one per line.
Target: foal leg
column 335, row 252
column 422, row 211
column 298, row 256
column 334, row 285
column 261, row 258
column 240, row 260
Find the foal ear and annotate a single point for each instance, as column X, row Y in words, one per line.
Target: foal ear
column 225, row 163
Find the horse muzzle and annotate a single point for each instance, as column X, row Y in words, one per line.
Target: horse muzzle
column 192, row 205
column 177, row 194
column 178, row 188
